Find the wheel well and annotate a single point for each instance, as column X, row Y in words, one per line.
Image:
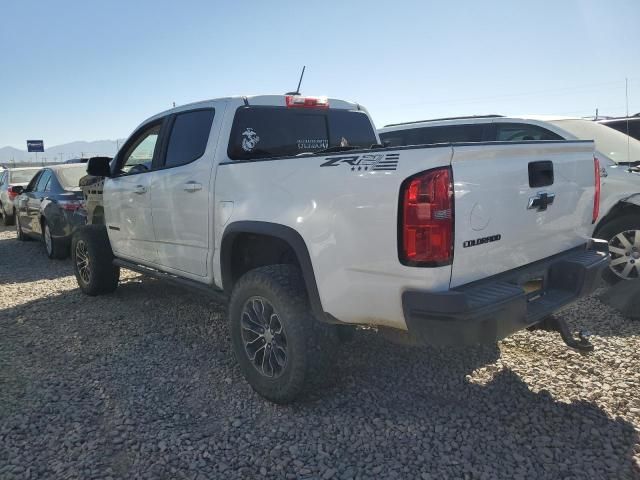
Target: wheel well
column 97, row 217
column 618, row 210
column 249, row 244
column 251, row 250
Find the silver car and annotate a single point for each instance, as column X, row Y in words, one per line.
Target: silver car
column 13, row 177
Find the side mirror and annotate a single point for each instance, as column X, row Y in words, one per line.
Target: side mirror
column 99, row 167
column 18, row 189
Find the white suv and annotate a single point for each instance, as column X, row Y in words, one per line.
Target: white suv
column 619, row 216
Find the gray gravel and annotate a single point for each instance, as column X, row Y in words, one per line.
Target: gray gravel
column 142, row 384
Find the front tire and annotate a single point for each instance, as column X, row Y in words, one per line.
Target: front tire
column 623, row 236
column 92, row 259
column 277, row 342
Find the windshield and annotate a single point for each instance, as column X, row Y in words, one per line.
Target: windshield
column 261, row 132
column 608, row 141
column 70, row 177
column 22, row 176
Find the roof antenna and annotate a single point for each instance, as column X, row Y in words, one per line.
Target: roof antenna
column 297, row 92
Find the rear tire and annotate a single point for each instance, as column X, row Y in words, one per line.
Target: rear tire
column 627, row 226
column 92, row 259
column 55, row 248
column 7, row 219
column 279, row 345
column 19, row 233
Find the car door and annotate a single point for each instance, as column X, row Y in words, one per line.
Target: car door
column 181, row 196
column 25, row 202
column 34, row 202
column 127, row 196
column 20, row 204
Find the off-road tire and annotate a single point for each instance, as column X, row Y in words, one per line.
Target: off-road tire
column 310, row 343
column 57, row 249
column 103, row 277
column 610, row 230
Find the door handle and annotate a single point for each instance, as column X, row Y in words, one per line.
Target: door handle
column 139, row 189
column 192, row 186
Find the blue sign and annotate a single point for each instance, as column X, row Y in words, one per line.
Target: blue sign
column 35, row 145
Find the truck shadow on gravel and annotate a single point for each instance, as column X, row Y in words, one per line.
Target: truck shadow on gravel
column 143, row 383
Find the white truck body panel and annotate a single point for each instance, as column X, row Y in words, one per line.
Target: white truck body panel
column 131, row 235
column 489, row 204
column 348, row 220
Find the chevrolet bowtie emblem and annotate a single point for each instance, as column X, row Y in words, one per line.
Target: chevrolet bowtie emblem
column 541, row 201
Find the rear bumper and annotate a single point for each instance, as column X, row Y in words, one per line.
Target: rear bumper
column 64, row 225
column 491, row 309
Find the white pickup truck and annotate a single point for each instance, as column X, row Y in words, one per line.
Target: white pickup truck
column 288, row 208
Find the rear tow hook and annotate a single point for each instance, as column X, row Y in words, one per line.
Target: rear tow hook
column 555, row 324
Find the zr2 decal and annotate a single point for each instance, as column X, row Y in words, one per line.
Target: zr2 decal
column 372, row 162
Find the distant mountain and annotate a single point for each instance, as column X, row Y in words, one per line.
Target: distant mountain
column 63, row 152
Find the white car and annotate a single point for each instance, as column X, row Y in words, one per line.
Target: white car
column 619, row 216
column 10, row 178
column 288, row 208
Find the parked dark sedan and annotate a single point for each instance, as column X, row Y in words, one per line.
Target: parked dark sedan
column 50, row 207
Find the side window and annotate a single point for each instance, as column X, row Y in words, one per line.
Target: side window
column 48, row 185
column 435, row 134
column 189, row 136
column 2, row 176
column 516, row 132
column 139, row 155
column 43, row 180
column 34, row 181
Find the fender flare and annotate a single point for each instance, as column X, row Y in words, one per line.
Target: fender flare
column 633, row 199
column 284, row 233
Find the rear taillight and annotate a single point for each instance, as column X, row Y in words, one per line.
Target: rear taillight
column 426, row 216
column 596, row 197
column 297, row 101
column 70, row 205
column 12, row 193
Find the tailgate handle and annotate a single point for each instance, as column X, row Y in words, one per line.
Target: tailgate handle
column 540, row 174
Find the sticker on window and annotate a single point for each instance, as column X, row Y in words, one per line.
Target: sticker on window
column 312, row 144
column 249, row 139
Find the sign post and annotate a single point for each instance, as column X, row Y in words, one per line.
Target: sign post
column 35, row 146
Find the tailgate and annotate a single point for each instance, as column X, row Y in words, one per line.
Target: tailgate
column 517, row 203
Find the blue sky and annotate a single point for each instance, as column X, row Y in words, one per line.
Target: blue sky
column 85, row 70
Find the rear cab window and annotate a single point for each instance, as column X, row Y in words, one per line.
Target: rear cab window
column 266, row 131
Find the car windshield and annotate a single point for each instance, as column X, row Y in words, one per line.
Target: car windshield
column 22, row 176
column 615, row 145
column 70, row 177
column 261, row 132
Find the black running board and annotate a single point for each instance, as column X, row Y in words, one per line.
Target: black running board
column 212, row 292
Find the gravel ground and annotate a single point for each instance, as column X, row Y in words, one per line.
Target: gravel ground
column 142, row 384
